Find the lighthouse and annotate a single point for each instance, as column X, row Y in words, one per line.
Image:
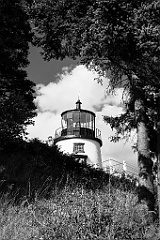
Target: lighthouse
column 79, row 137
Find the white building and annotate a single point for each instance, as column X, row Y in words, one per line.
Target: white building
column 79, row 136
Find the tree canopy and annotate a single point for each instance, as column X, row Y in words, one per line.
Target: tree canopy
column 16, row 92
column 122, row 36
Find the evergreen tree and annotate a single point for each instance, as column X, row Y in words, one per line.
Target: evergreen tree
column 16, row 92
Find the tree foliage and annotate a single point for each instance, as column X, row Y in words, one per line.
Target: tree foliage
column 16, row 92
column 122, row 36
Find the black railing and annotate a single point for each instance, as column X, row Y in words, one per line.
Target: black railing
column 86, row 132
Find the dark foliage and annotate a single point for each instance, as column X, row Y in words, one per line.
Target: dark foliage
column 31, row 168
column 16, row 92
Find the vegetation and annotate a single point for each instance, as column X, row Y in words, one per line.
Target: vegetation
column 78, row 214
column 28, row 167
column 48, row 195
column 16, row 92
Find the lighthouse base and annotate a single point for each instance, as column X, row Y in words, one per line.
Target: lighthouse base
column 87, row 150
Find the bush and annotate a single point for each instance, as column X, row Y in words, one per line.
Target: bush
column 28, row 167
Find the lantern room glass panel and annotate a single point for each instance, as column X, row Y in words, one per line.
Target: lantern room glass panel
column 87, row 120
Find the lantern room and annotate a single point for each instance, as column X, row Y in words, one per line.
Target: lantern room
column 78, row 122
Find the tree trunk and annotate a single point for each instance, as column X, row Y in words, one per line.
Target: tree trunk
column 158, row 158
column 146, row 188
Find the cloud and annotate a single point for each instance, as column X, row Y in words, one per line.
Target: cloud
column 78, row 82
column 61, row 95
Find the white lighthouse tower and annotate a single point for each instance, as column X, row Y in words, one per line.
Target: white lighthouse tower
column 79, row 136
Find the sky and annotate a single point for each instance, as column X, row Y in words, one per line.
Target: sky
column 58, row 86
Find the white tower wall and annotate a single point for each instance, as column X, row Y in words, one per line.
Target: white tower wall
column 91, row 149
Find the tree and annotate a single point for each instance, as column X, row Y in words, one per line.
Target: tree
column 141, row 114
column 16, row 92
column 114, row 37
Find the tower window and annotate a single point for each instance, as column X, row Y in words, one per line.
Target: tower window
column 78, row 148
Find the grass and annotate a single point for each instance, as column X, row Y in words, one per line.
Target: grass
column 77, row 214
column 46, row 195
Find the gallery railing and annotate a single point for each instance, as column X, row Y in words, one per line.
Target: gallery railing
column 83, row 132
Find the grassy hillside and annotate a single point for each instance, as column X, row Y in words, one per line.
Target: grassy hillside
column 30, row 168
column 47, row 195
column 77, row 213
